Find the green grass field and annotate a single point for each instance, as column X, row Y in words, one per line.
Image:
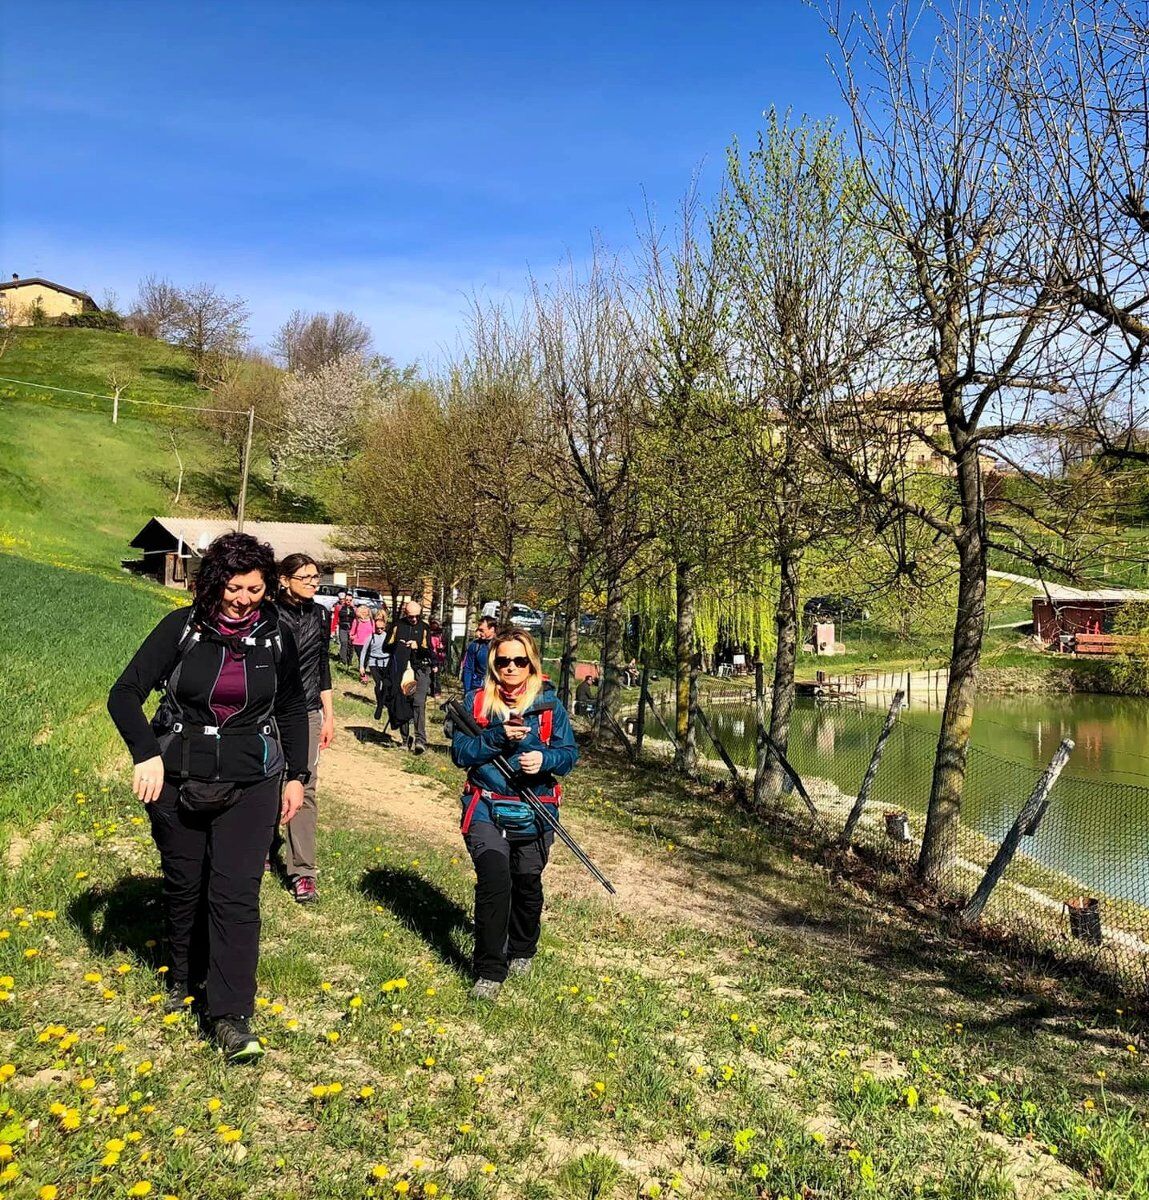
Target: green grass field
column 795, row 1040
column 85, row 360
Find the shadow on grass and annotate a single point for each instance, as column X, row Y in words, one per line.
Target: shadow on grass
column 424, row 909
column 365, row 735
column 126, row 918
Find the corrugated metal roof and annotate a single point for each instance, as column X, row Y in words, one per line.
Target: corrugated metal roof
column 285, row 537
column 1063, row 593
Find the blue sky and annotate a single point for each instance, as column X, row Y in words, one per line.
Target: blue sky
column 390, row 158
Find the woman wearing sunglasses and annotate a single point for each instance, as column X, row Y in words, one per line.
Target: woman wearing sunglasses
column 520, row 717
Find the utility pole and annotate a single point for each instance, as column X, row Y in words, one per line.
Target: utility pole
column 246, row 469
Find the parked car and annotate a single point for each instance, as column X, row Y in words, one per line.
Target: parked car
column 327, row 593
column 837, row 608
column 530, row 619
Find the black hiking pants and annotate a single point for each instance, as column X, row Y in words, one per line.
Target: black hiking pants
column 213, row 867
column 380, row 679
column 508, row 897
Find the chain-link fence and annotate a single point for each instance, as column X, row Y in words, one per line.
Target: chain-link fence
column 1079, row 880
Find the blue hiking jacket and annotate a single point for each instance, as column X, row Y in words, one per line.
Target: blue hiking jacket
column 473, row 670
column 477, row 754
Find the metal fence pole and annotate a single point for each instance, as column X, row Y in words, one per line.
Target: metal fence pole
column 1026, row 821
column 871, row 771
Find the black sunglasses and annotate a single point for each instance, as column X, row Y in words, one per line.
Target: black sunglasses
column 520, row 660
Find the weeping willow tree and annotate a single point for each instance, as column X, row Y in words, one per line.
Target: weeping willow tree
column 797, row 258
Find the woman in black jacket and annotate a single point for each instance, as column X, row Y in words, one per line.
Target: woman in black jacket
column 309, row 624
column 209, row 766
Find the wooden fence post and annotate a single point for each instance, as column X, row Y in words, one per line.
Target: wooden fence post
column 1026, row 821
column 871, row 771
column 761, row 746
column 731, row 766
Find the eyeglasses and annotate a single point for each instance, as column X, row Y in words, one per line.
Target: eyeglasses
column 306, row 578
column 519, row 660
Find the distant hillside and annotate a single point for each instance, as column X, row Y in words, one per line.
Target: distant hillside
column 74, row 488
column 85, row 359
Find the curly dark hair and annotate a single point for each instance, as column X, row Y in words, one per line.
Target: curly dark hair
column 231, row 554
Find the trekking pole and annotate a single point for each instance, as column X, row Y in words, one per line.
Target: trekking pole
column 466, row 722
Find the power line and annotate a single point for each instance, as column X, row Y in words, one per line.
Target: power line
column 235, row 412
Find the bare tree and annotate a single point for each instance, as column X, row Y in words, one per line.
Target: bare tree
column 978, row 284
column 211, row 327
column 691, row 439
column 307, row 341
column 593, row 388
column 155, row 310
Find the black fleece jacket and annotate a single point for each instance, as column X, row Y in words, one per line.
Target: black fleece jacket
column 247, row 753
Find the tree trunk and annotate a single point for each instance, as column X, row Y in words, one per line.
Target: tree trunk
column 611, row 647
column 449, row 624
column 785, row 661
column 570, row 634
column 469, row 612
column 685, row 754
column 940, row 841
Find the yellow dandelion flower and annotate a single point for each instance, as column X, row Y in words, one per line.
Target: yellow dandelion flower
column 428, row 1061
column 466, row 1127
column 355, row 1002
column 57, row 1109
column 333, row 1089
column 396, row 1026
column 214, row 1104
column 31, row 952
column 291, row 1023
column 86, row 1085
column 123, row 968
column 402, row 1188
column 479, row 1079
column 380, row 1171
column 120, row 1109
column 325, row 986
column 276, row 1009
column 6, row 981
column 171, row 1018
column 179, row 1131
column 365, row 1093
column 93, row 977
column 134, row 1136
column 109, row 994
column 70, row 1121
column 7, row 1070
column 48, row 1192
column 143, row 1188
column 319, row 1091
column 144, row 1067
column 5, row 1152
column 81, row 875
column 115, row 1145
column 332, row 1035
column 488, row 1168
column 430, row 1189
column 230, row 1136
column 110, row 1159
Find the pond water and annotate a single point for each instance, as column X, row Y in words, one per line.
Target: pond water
column 1097, row 826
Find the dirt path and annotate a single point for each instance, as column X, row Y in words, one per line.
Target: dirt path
column 367, row 775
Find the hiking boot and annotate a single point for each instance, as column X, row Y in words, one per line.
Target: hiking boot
column 411, row 742
column 179, row 997
column 420, row 748
column 379, row 714
column 520, row 966
column 234, row 1037
column 303, row 889
column 486, row 989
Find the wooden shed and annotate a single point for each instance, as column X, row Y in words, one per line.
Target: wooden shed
column 173, row 546
column 1081, row 620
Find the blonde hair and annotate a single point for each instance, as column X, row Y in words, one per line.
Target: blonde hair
column 494, row 707
column 363, row 612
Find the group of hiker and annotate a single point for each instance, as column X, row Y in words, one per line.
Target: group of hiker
column 227, row 767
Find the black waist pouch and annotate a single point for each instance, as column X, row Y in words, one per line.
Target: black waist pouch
column 204, row 797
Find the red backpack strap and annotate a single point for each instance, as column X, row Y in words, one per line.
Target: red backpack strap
column 546, row 725
column 477, row 709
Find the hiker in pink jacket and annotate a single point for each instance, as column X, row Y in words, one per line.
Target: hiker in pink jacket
column 361, row 629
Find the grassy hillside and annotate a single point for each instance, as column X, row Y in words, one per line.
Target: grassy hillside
column 84, row 359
